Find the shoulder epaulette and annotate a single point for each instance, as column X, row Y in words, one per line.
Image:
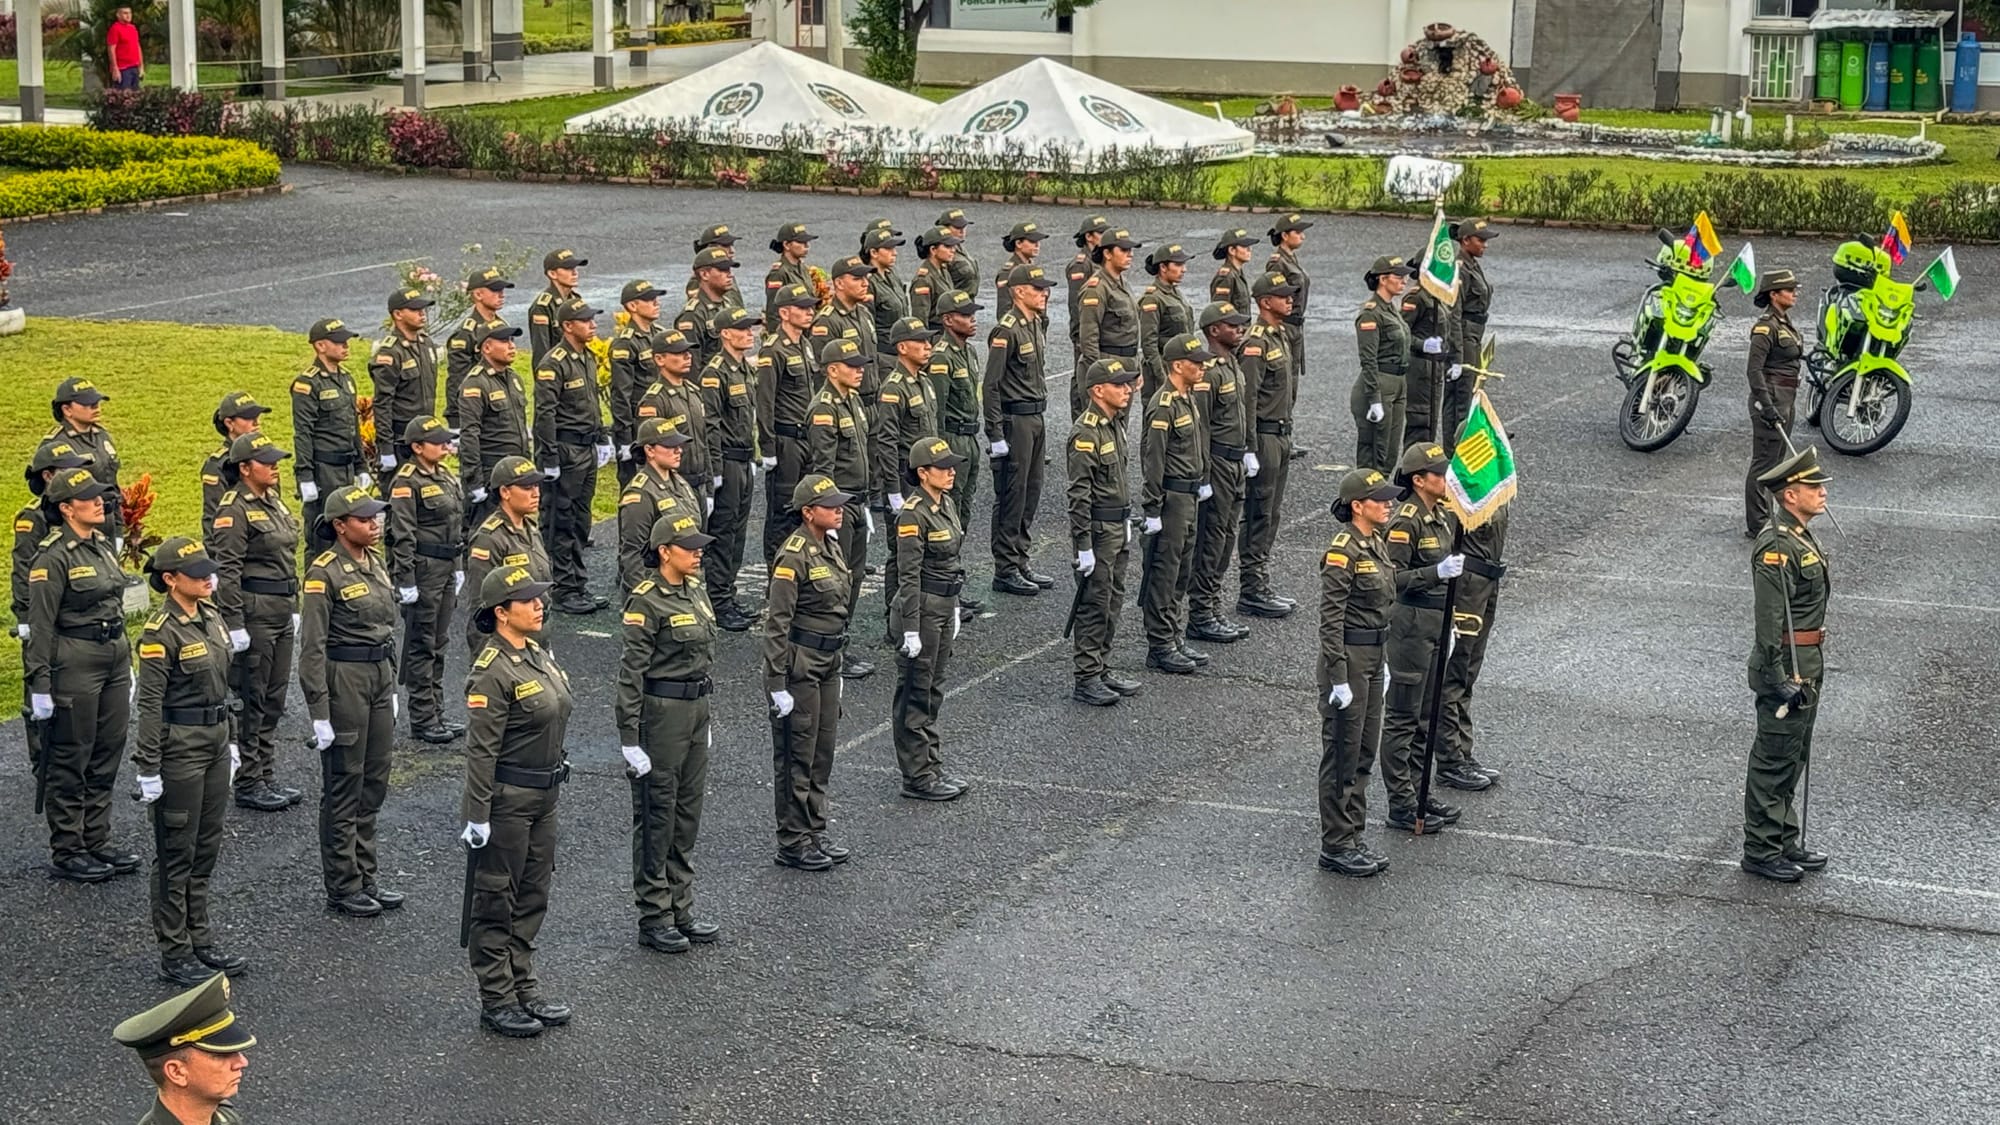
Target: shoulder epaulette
column 323, row 558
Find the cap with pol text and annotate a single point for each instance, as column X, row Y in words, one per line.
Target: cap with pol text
column 1035, row 277
column 76, row 484
column 659, row 431
column 1475, row 228
column 509, row 584
column 879, row 239
column 256, row 447
column 791, row 232
column 954, row 218
column 562, row 260
column 1286, row 224
column 1161, row 255
column 911, row 330
column 1388, row 265
column 496, row 332
column 1273, row 285
column 938, row 236
column 958, row 301
column 488, row 278
column 78, row 390
column 818, row 491
column 795, row 296
column 1223, row 312
column 1187, row 346
column 850, row 267
column 934, row 453
column 1111, row 371
column 515, row 472
column 240, row 404
column 179, row 555
column 430, row 430
column 353, row 500
column 1422, row 457
column 678, row 531
column 717, row 235
column 739, row 318
column 1237, row 237
column 638, row 291
column 1022, row 232
column 330, row 330
column 670, row 341
column 845, row 352
column 1367, row 484
column 715, row 258
column 409, row 299
column 577, row 309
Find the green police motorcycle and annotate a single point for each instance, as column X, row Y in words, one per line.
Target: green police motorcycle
column 1659, row 362
column 1860, row 391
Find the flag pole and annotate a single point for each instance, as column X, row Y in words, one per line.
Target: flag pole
column 1434, row 704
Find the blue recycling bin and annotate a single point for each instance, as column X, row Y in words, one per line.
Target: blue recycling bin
column 1878, row 75
column 1965, row 75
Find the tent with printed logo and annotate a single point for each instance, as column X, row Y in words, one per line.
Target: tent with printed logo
column 769, row 97
column 1047, row 113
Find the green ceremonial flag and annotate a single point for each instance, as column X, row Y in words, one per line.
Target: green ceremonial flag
column 1439, row 272
column 1943, row 274
column 1481, row 478
column 1744, row 270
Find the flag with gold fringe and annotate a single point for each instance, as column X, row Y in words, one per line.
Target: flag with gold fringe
column 1482, row 477
column 1439, row 272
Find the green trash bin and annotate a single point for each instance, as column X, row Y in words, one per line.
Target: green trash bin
column 1826, row 70
column 1902, row 74
column 1853, row 74
column 1929, row 83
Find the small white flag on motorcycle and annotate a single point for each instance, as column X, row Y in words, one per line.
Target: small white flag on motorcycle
column 1943, row 274
column 1743, row 271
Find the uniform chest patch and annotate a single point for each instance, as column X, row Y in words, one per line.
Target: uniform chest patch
column 353, row 590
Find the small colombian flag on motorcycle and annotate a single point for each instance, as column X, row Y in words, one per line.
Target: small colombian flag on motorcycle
column 1702, row 243
column 1896, row 240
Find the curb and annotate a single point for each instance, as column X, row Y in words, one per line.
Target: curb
column 164, row 201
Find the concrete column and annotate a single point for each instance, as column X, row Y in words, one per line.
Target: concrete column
column 1521, row 53
column 602, row 61
column 413, row 53
column 28, row 44
column 836, row 34
column 508, row 22
column 1083, row 39
column 271, row 45
column 181, row 74
column 639, row 23
column 472, row 28
column 1399, row 31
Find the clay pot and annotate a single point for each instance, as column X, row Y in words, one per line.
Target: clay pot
column 1489, row 66
column 1569, row 107
column 1347, row 98
column 1508, row 98
column 1439, row 32
column 1287, row 107
column 1413, row 74
column 1410, row 55
column 1386, row 88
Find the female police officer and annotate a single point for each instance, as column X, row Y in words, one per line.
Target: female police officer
column 183, row 756
column 925, row 614
column 1775, row 354
column 519, row 704
column 663, row 733
column 1357, row 586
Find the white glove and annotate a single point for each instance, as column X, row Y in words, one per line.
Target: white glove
column 308, row 491
column 395, row 707
column 118, row 544
column 235, row 760
column 1374, row 412
column 407, row 595
column 767, row 463
column 869, row 515
column 150, row 788
column 895, row 502
column 997, row 450
column 709, row 734
column 913, row 643
column 363, row 480
column 1086, row 561
column 322, row 734
column 1451, row 372
column 781, row 702
column 295, row 624
column 708, row 505
column 1434, row 345
column 553, row 472
column 957, row 619
column 1152, row 525
column 715, row 482
column 624, row 453
column 21, row 630
column 479, row 496
column 41, row 706
column 457, row 581
column 476, row 834
column 1341, row 696
column 637, row 760
column 604, row 455
column 1203, row 493
column 239, row 640
column 1451, row 566
column 1251, row 464
column 387, row 461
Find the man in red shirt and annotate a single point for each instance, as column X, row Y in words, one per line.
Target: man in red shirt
column 127, row 64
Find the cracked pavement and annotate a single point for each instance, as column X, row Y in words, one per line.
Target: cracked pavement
column 1122, row 922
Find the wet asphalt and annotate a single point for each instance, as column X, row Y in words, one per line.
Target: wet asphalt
column 1122, row 922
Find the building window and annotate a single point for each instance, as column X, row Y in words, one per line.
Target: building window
column 1776, row 65
column 1786, row 9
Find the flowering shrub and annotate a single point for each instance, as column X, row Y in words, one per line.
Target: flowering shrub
column 160, row 111
column 139, row 542
column 419, row 140
column 6, row 269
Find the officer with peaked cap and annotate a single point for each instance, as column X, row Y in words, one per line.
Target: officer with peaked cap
column 193, row 1049
column 1776, row 352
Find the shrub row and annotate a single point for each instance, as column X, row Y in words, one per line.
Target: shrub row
column 84, row 168
column 675, row 34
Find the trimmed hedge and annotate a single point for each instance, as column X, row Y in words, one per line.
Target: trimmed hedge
column 674, row 34
column 86, row 168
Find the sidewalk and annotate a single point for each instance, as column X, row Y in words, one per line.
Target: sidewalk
column 539, row 76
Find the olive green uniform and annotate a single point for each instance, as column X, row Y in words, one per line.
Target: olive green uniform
column 929, row 578
column 1163, row 315
column 732, row 433
column 426, row 550
column 518, row 702
column 1473, row 613
column 493, row 426
column 1427, row 382
column 651, row 495
column 1230, row 287
column 1100, row 515
column 1000, row 282
column 1773, row 372
column 906, row 412
column 31, row 526
column 213, row 484
column 1270, row 382
column 835, row 322
column 839, row 444
column 953, row 376
column 889, row 298
column 1016, row 394
column 928, row 287
column 160, row 1115
column 568, row 429
column 1787, row 568
column 1110, row 327
column 183, row 713
column 96, row 444
column 805, row 629
column 663, row 696
column 679, row 405
column 1417, row 541
column 697, row 322
column 78, row 655
column 326, row 440
column 544, row 331
column 462, row 354
column 962, row 274
column 404, row 372
column 786, row 380
column 1384, row 343
column 1282, row 261
column 1475, row 302
column 784, row 272
column 347, row 673
column 632, row 371
column 1077, row 275
column 1173, row 469
column 498, row 542
column 255, row 544
column 1357, row 587
column 1219, row 412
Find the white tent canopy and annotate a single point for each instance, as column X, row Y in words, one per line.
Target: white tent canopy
column 767, row 97
column 1044, row 106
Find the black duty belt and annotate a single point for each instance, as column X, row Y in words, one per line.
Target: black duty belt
column 1478, row 318
column 357, row 654
column 1110, row 515
column 578, row 437
column 101, row 631
column 796, row 430
column 336, row 458
column 1790, row 381
column 1279, row 428
column 1485, row 569
column 962, row 429
column 531, row 778
column 731, row 453
column 1422, row 601
column 439, row 550
column 1362, row 636
column 1181, row 484
column 678, row 689
column 1123, row 351
column 195, row 716
column 818, row 642
column 942, row 587
column 1024, row 406
column 276, row 587
column 1223, row 452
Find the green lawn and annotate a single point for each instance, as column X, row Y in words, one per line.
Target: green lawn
column 572, row 17
column 63, row 82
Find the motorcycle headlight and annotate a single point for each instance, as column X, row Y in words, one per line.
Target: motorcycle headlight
column 1887, row 317
column 1686, row 315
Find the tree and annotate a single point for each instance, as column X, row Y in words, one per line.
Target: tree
column 888, row 29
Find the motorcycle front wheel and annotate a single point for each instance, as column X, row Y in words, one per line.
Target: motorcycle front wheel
column 1860, row 416
column 1654, row 423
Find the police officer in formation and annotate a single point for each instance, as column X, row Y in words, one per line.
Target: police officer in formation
column 326, row 427
column 792, row 243
column 838, row 448
column 805, row 633
column 572, row 444
column 1023, row 245
column 939, row 249
column 1475, row 305
column 193, row 1049
column 1422, row 543
column 924, row 614
column 544, row 312
column 183, row 756
column 1100, row 529
column 78, row 408
column 954, row 373
column 519, row 703
column 1015, row 396
column 486, row 290
column 714, row 293
column 1357, row 588
column 1288, row 236
column 427, row 562
column 254, row 540
column 511, row 536
column 1270, row 386
column 1109, row 312
column 1163, row 313
column 963, row 272
column 492, row 409
column 663, row 731
column 1077, row 274
column 404, row 372
column 657, row 491
column 1231, row 284
column 631, row 358
column 1224, row 421
column 847, row 317
column 888, row 293
column 1433, row 364
column 675, row 400
column 717, row 237
column 1776, row 354
column 1173, row 476
column 730, row 410
column 787, row 374
column 1379, row 400
column 31, row 525
column 237, row 414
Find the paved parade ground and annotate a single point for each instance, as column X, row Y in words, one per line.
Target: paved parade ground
column 1122, row 921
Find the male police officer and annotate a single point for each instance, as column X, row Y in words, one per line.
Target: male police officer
column 631, row 368
column 326, row 428
column 493, row 412
column 572, row 445
column 404, row 371
column 786, row 375
column 544, row 319
column 1016, row 395
column 1100, row 529
column 805, row 631
column 487, row 290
